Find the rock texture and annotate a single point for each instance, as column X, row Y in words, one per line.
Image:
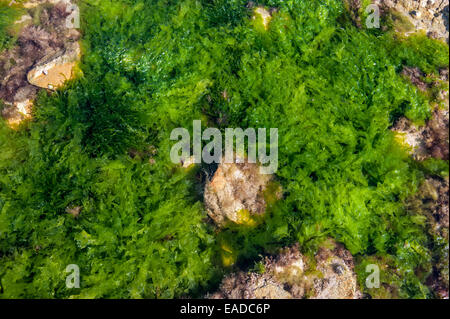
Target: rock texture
column 432, row 201
column 409, row 16
column 354, row 7
column 35, row 44
column 428, row 15
column 54, row 70
column 431, row 140
column 290, row 275
column 236, row 193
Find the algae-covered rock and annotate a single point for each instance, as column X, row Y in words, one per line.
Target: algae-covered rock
column 430, row 16
column 236, row 193
column 431, row 201
column 337, row 280
column 290, row 274
column 264, row 15
column 44, row 56
column 429, row 141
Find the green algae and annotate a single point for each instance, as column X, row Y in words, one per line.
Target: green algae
column 8, row 15
column 331, row 89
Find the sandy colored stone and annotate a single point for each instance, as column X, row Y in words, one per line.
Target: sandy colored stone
column 15, row 113
column 188, row 162
column 411, row 137
column 54, row 70
column 337, row 280
column 236, row 193
column 264, row 14
column 12, row 117
column 74, row 211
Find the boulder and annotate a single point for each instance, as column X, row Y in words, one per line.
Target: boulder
column 236, row 193
column 291, row 275
column 54, row 70
column 426, row 15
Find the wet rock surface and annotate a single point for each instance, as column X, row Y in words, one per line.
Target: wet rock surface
column 432, row 201
column 432, row 139
column 236, row 193
column 54, row 70
column 292, row 275
column 428, row 15
column 36, row 43
column 429, row 141
column 353, row 7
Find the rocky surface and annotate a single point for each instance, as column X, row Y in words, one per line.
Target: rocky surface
column 262, row 13
column 432, row 139
column 428, row 15
column 236, row 193
column 74, row 211
column 49, row 48
column 432, row 201
column 354, row 7
column 409, row 16
column 54, row 70
column 291, row 275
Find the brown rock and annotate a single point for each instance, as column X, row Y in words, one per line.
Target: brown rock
column 54, row 70
column 236, row 194
column 431, row 140
column 290, row 275
column 51, row 38
column 416, row 76
column 430, row 16
column 74, row 211
column 437, row 134
column 353, row 7
column 432, row 201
